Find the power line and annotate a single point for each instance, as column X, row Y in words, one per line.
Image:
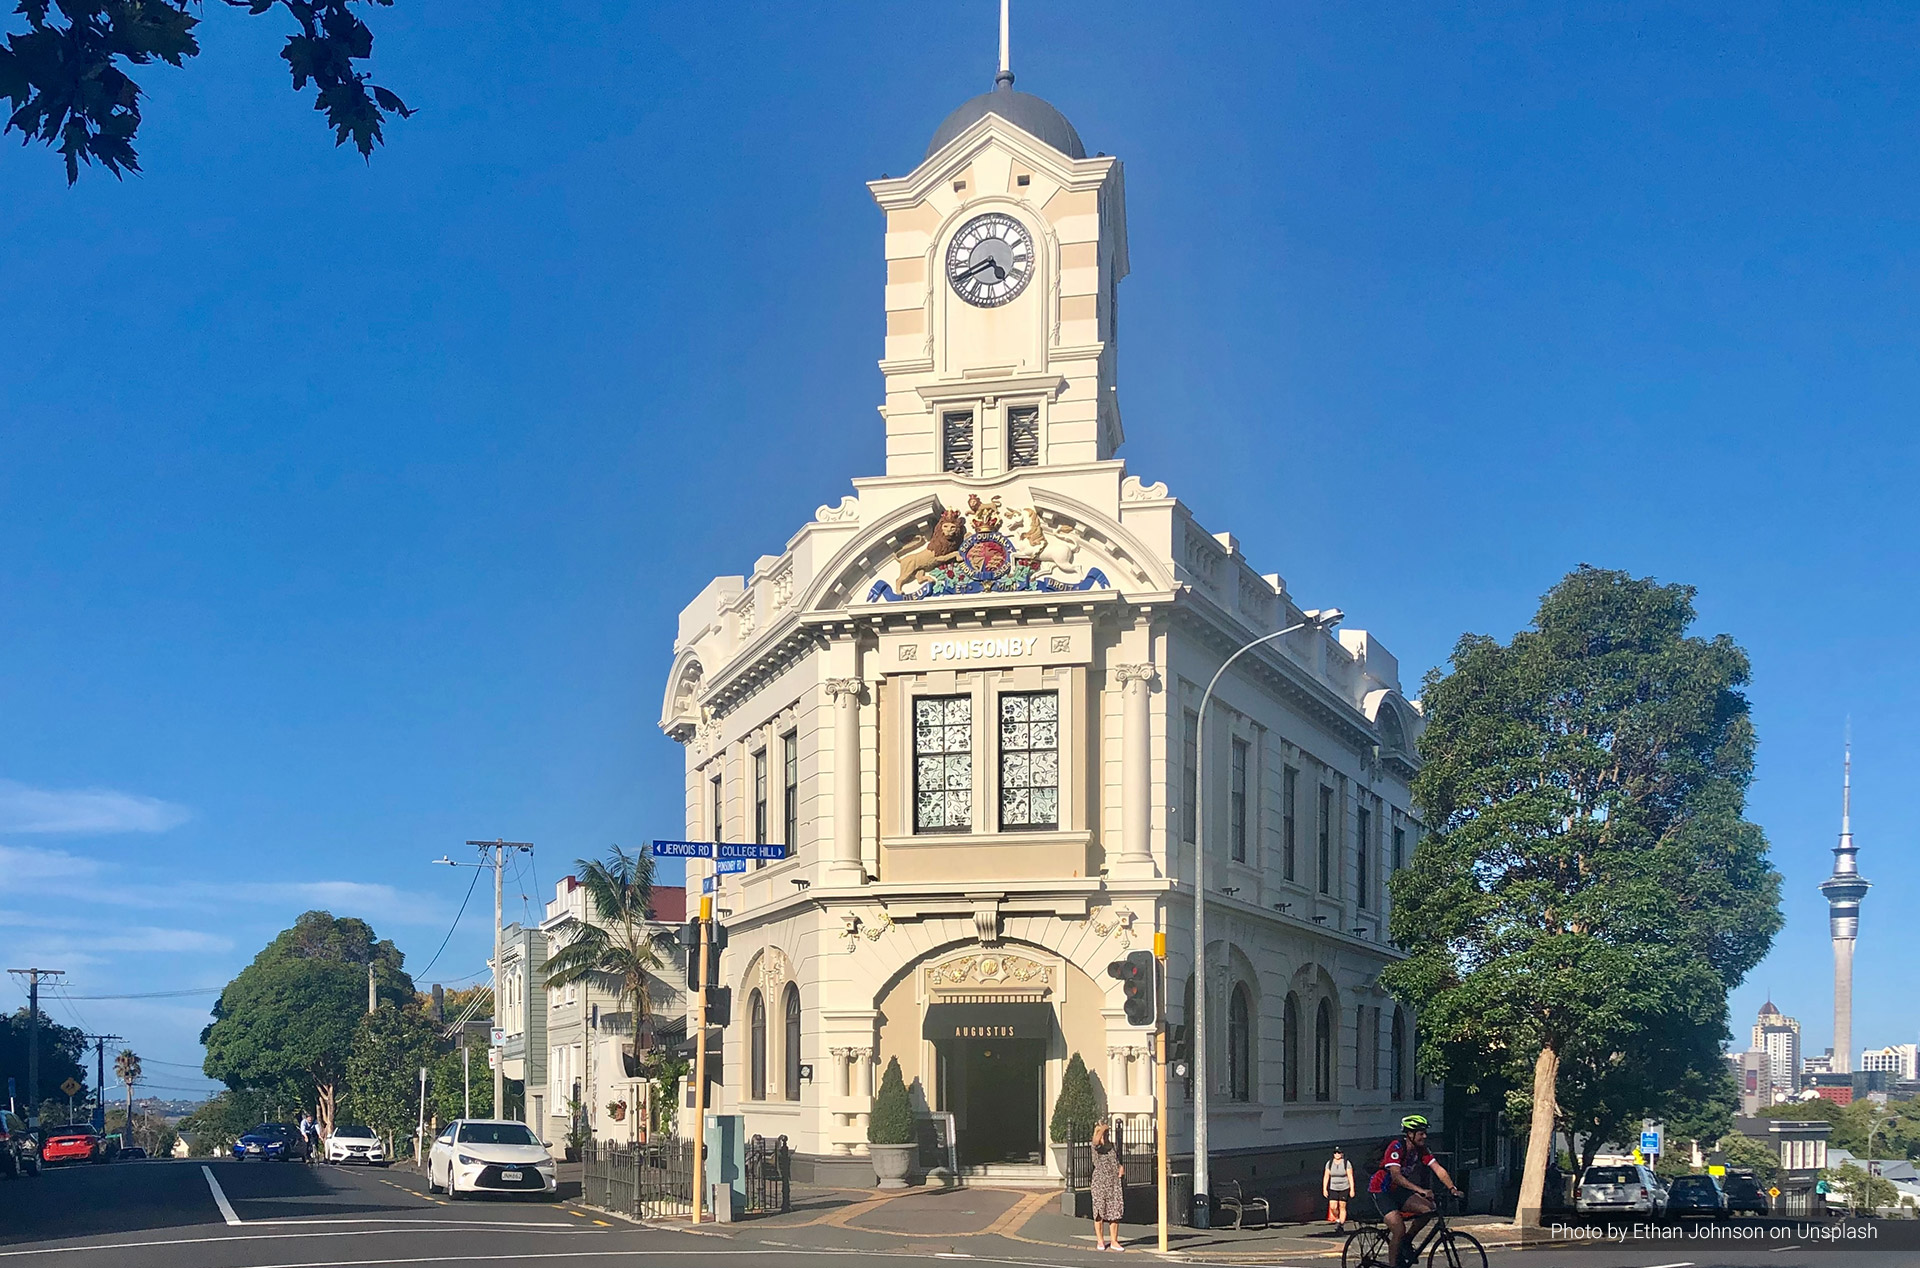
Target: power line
column 196, row 990
column 455, row 925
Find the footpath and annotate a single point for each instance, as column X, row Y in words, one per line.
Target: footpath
column 1023, row 1224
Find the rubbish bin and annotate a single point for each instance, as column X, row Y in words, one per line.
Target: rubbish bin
column 1180, row 1197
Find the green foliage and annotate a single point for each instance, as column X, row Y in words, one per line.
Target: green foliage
column 664, row 1070
column 64, row 76
column 1743, row 1151
column 1673, row 1165
column 1076, row 1110
column 1862, row 1128
column 62, row 1050
column 449, row 1085
column 224, row 1119
column 1590, row 887
column 579, row 1130
column 1859, row 1189
column 383, row 1070
column 891, row 1122
column 613, row 948
column 288, row 1021
column 1703, row 1109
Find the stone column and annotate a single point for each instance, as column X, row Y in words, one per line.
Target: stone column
column 846, row 867
column 1136, row 773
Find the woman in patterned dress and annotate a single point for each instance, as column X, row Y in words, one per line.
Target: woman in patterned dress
column 1109, row 1195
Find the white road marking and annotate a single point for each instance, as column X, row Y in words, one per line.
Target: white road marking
column 1685, row 1263
column 220, row 1199
column 1777, row 1249
column 434, row 1226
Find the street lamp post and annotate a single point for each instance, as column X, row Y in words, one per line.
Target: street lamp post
column 1319, row 618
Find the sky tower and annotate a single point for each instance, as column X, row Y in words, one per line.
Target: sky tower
column 1843, row 892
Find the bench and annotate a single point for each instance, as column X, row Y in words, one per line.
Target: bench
column 1232, row 1198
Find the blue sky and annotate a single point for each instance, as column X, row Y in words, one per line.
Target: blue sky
column 345, row 510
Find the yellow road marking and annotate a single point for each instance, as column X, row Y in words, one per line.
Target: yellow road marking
column 603, row 1224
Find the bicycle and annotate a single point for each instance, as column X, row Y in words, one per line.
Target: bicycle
column 1443, row 1246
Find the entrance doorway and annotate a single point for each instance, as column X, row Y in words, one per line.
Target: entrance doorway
column 997, row 1094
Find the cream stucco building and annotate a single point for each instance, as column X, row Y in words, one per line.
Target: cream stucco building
column 965, row 696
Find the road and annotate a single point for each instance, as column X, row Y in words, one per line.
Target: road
column 193, row 1214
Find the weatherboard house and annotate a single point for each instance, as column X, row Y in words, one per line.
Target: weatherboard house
column 965, row 698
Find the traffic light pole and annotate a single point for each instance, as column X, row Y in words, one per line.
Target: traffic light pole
column 700, row 1059
column 1160, row 1084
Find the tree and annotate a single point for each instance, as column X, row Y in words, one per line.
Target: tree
column 611, row 948
column 1744, row 1151
column 1075, row 1111
column 287, row 1022
column 891, row 1122
column 223, row 1119
column 1861, row 1190
column 1590, row 889
column 64, row 74
column 383, row 1069
column 63, row 1050
column 126, row 1068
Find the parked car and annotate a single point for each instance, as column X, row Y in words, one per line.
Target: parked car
column 1620, row 1189
column 1697, row 1197
column 352, row 1143
column 1744, row 1195
column 75, row 1142
column 19, row 1147
column 270, row 1142
column 489, row 1155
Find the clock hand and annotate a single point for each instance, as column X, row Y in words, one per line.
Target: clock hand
column 988, row 262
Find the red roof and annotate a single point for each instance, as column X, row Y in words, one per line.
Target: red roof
column 670, row 903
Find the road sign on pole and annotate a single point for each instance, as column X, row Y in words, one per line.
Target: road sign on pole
column 1650, row 1142
column 72, row 1087
column 683, row 849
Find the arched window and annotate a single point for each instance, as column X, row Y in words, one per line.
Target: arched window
column 1323, row 1052
column 1239, row 1045
column 757, row 1052
column 1290, row 1048
column 792, row 1045
column 1398, row 1079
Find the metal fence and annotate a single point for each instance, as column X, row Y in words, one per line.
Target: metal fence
column 769, row 1176
column 649, row 1181
column 1133, row 1138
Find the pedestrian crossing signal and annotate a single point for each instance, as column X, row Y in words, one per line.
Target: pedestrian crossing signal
column 1138, row 987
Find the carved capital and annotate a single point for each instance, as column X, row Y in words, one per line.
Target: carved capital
column 1131, row 673
column 837, row 687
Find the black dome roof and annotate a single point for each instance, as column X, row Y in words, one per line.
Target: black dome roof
column 1023, row 110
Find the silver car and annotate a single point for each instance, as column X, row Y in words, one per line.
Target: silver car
column 489, row 1156
column 1620, row 1189
column 350, row 1143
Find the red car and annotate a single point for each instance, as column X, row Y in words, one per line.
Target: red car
column 76, row 1142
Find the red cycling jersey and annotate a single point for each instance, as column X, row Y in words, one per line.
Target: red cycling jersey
column 1397, row 1155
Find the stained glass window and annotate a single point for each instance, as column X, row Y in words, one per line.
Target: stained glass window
column 943, row 764
column 1030, row 760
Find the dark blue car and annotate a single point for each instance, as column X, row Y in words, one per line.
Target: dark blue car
column 269, row 1142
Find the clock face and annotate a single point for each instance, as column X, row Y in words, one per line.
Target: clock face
column 991, row 260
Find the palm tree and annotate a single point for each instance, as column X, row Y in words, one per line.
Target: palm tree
column 612, row 947
column 126, row 1068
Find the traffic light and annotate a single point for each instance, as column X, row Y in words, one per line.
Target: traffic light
column 689, row 938
column 719, row 1005
column 1136, row 975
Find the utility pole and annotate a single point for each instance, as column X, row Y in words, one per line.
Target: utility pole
column 100, row 1082
column 1160, row 1085
column 33, row 977
column 373, row 993
column 700, row 1058
column 466, row 1078
column 493, row 854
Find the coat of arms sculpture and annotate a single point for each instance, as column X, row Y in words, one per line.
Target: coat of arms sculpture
column 988, row 550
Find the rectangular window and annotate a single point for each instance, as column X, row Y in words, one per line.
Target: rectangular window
column 1326, row 839
column 956, row 442
column 1373, row 1045
column 1363, row 873
column 1023, row 436
column 1289, row 792
column 790, row 791
column 943, row 763
column 1399, row 848
column 719, row 811
column 1237, row 801
column 1030, row 760
column 759, row 803
column 1190, row 777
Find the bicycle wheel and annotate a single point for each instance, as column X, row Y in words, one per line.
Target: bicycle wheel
column 1365, row 1248
column 1457, row 1250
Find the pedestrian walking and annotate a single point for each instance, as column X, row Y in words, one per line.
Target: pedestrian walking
column 1109, row 1192
column 309, row 1137
column 1336, row 1186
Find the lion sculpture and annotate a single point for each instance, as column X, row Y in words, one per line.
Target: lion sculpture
column 924, row 554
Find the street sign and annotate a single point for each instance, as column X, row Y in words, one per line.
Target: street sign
column 683, row 849
column 493, row 1058
column 729, row 867
column 1820, row 1187
column 727, row 850
column 72, row 1087
column 499, row 1037
column 1716, row 1170
column 1774, row 1192
column 1650, row 1142
column 1638, row 1157
column 708, row 884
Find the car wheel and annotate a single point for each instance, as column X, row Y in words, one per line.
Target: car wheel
column 433, row 1183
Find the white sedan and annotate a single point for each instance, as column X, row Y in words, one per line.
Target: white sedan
column 356, row 1144
column 489, row 1156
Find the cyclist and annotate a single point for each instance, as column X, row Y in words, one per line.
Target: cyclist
column 1402, row 1189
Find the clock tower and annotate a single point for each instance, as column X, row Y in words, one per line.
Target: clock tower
column 1004, row 249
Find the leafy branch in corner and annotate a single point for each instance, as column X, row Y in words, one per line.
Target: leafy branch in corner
column 64, row 79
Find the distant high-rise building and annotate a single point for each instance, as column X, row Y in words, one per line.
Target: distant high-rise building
column 1843, row 892
column 1822, row 1064
column 1777, row 1036
column 1898, row 1060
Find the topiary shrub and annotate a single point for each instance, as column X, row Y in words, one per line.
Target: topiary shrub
column 1076, row 1111
column 891, row 1122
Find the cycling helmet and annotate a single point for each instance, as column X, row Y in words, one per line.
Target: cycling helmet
column 1414, row 1123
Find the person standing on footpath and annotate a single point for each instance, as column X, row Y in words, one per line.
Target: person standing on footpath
column 1109, row 1193
column 1336, row 1186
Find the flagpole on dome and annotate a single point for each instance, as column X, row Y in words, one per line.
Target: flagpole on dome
column 1005, row 77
